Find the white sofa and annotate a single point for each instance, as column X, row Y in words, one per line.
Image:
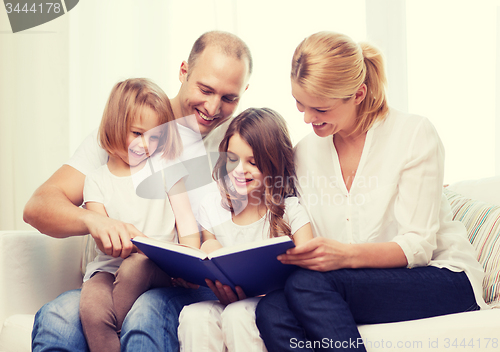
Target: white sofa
column 35, row 268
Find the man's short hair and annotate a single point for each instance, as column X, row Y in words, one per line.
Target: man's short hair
column 228, row 44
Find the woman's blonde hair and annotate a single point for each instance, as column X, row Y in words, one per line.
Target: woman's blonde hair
column 331, row 65
column 126, row 102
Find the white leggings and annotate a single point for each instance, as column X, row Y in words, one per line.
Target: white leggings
column 209, row 326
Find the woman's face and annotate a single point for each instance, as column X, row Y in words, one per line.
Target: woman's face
column 327, row 116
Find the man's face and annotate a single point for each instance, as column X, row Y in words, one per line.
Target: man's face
column 213, row 89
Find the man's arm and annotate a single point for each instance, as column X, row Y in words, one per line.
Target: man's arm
column 54, row 210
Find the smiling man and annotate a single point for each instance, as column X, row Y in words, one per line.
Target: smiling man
column 212, row 83
column 213, row 80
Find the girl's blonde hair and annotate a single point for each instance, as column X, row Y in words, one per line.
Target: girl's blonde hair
column 331, row 65
column 266, row 133
column 126, row 103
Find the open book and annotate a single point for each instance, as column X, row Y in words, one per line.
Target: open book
column 252, row 266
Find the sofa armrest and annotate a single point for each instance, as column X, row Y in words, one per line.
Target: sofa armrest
column 35, row 269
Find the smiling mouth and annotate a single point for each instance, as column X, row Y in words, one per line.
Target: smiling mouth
column 243, row 180
column 205, row 117
column 139, row 154
column 319, row 124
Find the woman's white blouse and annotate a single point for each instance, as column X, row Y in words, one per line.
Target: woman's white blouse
column 396, row 195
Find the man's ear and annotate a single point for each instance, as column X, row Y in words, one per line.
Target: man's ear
column 183, row 71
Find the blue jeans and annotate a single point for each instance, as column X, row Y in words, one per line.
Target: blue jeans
column 151, row 325
column 319, row 311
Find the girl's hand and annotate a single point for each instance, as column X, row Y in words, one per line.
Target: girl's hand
column 224, row 293
column 178, row 282
column 320, row 254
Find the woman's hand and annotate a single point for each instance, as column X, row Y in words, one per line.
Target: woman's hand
column 320, row 254
column 224, row 293
column 323, row 254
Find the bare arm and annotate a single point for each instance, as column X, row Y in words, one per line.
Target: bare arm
column 184, row 217
column 54, row 207
column 303, row 235
column 324, row 254
column 210, row 244
column 54, row 210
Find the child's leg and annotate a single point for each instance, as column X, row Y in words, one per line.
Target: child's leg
column 200, row 327
column 136, row 275
column 239, row 329
column 97, row 315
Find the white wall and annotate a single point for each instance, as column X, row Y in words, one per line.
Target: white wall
column 452, row 58
column 34, row 110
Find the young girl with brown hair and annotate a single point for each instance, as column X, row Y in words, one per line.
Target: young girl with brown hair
column 137, row 123
column 256, row 178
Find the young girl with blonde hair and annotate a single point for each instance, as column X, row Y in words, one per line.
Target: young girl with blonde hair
column 137, row 124
column 256, row 178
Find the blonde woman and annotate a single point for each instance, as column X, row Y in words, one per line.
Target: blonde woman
column 370, row 177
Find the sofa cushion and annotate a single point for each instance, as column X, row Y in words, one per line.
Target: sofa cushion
column 484, row 189
column 482, row 221
column 15, row 335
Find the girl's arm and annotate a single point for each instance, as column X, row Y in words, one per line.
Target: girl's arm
column 184, row 217
column 210, row 243
column 303, row 235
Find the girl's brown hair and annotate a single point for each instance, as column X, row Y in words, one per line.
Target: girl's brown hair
column 266, row 133
column 126, row 102
column 331, row 65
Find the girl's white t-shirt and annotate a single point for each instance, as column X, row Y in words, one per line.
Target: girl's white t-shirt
column 153, row 217
column 217, row 220
column 396, row 195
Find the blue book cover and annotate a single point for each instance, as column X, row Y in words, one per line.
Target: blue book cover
column 253, row 266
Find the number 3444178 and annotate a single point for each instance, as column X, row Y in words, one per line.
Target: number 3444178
column 47, row 7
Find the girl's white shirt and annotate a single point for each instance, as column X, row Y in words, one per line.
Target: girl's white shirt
column 153, row 217
column 396, row 195
column 218, row 221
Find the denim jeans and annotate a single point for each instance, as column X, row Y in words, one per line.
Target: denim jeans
column 151, row 325
column 319, row 311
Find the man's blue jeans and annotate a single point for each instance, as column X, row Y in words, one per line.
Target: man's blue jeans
column 151, row 325
column 319, row 311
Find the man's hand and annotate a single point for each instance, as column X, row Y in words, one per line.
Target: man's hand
column 224, row 293
column 111, row 236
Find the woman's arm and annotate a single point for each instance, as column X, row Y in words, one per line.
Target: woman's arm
column 184, row 217
column 324, row 254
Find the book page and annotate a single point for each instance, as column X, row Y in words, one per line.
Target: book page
column 246, row 246
column 179, row 248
